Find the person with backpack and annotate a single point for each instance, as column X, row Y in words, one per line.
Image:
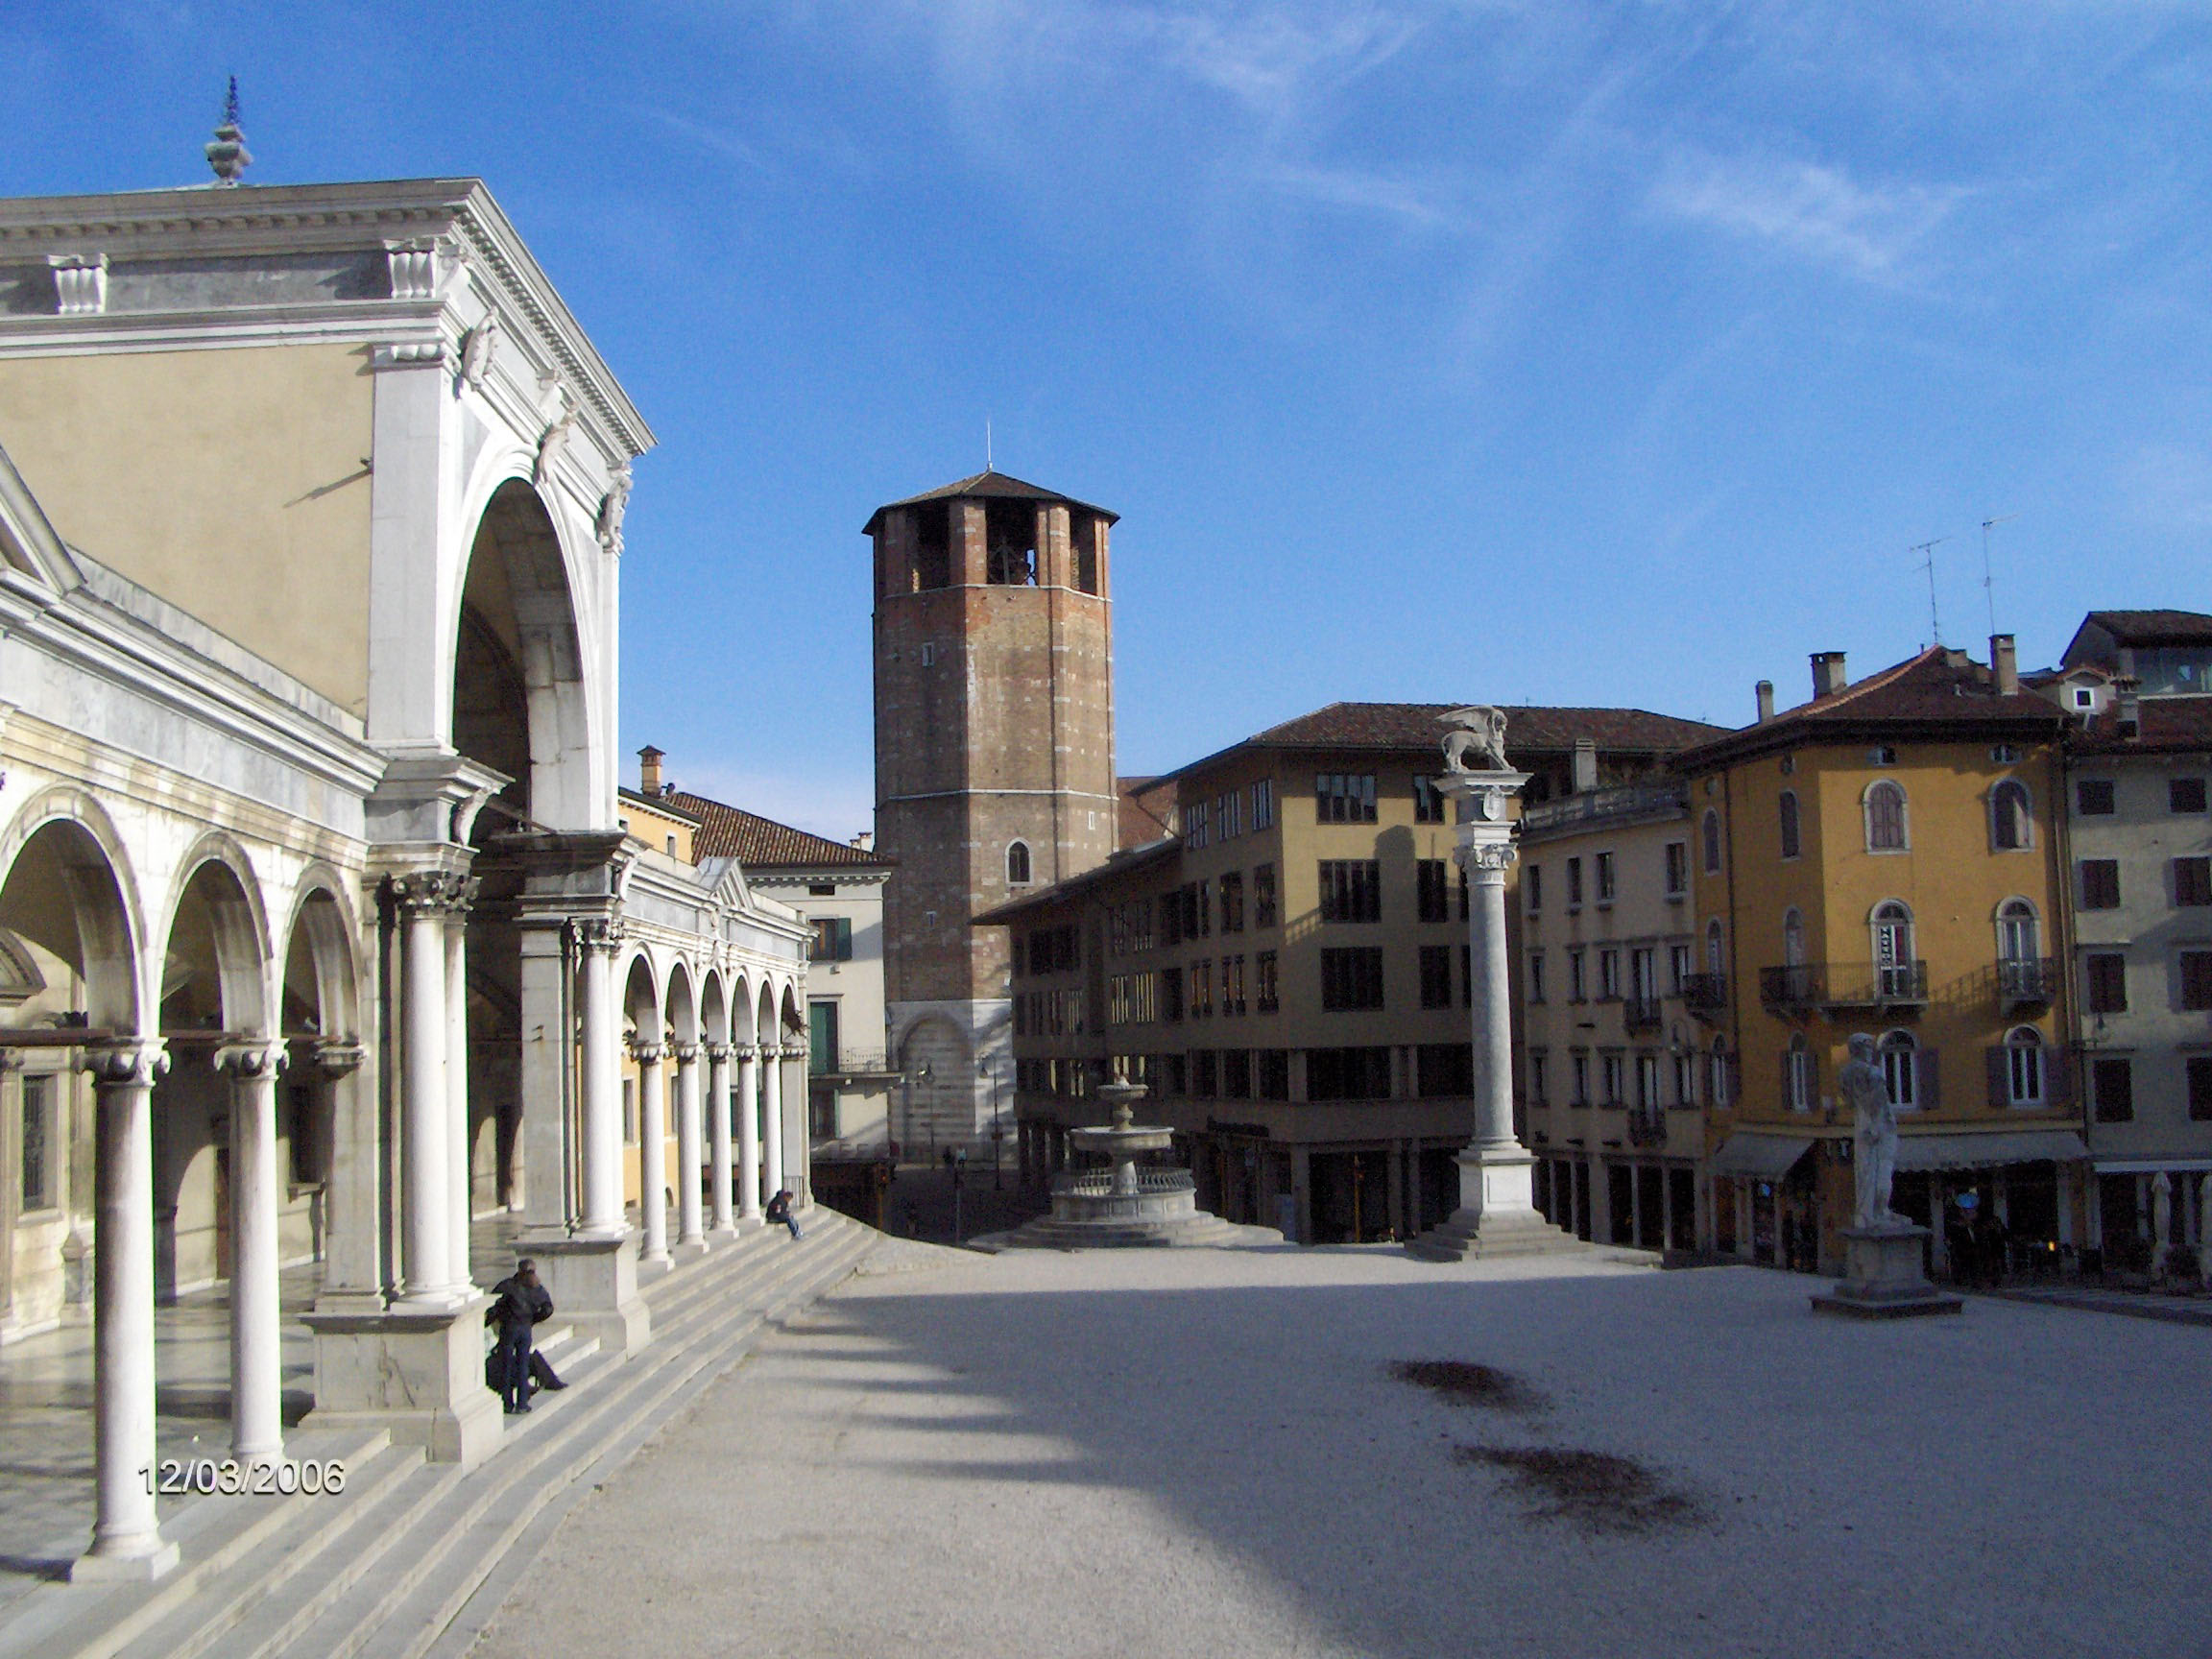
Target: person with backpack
column 520, row 1303
column 779, row 1210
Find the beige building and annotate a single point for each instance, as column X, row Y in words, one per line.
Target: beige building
column 1289, row 971
column 2138, row 687
column 1612, row 1072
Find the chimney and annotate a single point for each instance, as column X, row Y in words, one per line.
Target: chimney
column 1828, row 676
column 2130, row 709
column 1585, row 765
column 1764, row 692
column 865, row 841
column 649, row 770
column 2005, row 659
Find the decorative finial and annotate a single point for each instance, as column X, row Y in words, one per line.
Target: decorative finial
column 228, row 155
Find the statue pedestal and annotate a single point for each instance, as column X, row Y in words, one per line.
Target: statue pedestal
column 1882, row 1277
column 1497, row 1214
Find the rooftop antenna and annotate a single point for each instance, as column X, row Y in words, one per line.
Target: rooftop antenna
column 1988, row 588
column 1926, row 552
column 228, row 154
column 986, row 443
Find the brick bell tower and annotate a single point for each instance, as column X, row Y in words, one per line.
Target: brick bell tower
column 994, row 767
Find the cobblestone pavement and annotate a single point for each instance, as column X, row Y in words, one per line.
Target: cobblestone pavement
column 1127, row 1454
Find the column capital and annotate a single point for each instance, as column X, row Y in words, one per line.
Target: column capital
column 744, row 1051
column 645, row 1053
column 336, row 1058
column 1483, row 858
column 127, row 1061
column 11, row 1060
column 600, row 933
column 256, row 1058
column 433, row 892
column 793, row 1050
column 686, row 1054
column 718, row 1052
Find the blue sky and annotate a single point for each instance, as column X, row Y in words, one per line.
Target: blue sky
column 1544, row 352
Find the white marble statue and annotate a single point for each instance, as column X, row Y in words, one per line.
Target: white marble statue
column 611, row 508
column 1479, row 735
column 1875, row 1154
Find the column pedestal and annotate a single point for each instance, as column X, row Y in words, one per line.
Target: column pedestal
column 419, row 1374
column 593, row 1284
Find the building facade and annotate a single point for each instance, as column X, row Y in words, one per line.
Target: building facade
column 1886, row 859
column 308, row 827
column 1615, row 1065
column 994, row 760
column 1288, row 971
column 2140, row 757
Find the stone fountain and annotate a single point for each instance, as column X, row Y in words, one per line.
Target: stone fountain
column 1125, row 1204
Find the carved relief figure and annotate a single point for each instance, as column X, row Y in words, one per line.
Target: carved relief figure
column 612, row 507
column 1874, row 1154
column 1478, row 744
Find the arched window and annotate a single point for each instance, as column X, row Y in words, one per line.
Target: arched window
column 1716, row 1079
column 1790, row 844
column 1711, row 833
column 1901, row 1069
column 1793, row 938
column 2024, row 1067
column 1896, row 974
column 1885, row 826
column 1018, row 864
column 1800, row 1076
column 2019, row 936
column 2009, row 824
column 1714, row 965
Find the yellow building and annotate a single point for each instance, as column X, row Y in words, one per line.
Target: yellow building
column 1887, row 859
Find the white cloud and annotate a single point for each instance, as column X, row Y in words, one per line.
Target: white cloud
column 1815, row 212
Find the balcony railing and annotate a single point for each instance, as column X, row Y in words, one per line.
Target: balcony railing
column 844, row 1061
column 1705, row 993
column 1641, row 1013
column 1631, row 800
column 1800, row 987
column 1796, row 986
column 2025, row 982
column 1647, row 1127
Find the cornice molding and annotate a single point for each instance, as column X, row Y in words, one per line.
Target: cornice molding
column 294, row 219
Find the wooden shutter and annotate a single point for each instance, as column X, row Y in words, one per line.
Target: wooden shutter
column 1999, row 1060
column 1928, row 1094
column 2058, row 1075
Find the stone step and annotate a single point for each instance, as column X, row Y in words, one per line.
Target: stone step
column 219, row 1539
column 430, row 1612
column 319, row 1575
column 456, row 1547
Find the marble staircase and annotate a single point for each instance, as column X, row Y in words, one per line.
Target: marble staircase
column 412, row 1558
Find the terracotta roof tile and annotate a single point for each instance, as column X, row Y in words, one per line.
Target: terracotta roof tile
column 985, row 485
column 2154, row 627
column 1530, row 728
column 2164, row 725
column 1937, row 688
column 761, row 843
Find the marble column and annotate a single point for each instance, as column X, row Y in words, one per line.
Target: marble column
column 127, row 1541
column 652, row 1152
column 256, row 1333
column 718, row 1055
column 1496, row 1211
column 352, row 1262
column 748, row 1132
column 426, row 1207
column 689, row 1233
column 598, row 938
column 798, row 1139
column 771, row 1115
column 460, row 1187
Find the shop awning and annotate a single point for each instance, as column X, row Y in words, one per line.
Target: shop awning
column 1768, row 1157
column 1990, row 1152
column 2152, row 1165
